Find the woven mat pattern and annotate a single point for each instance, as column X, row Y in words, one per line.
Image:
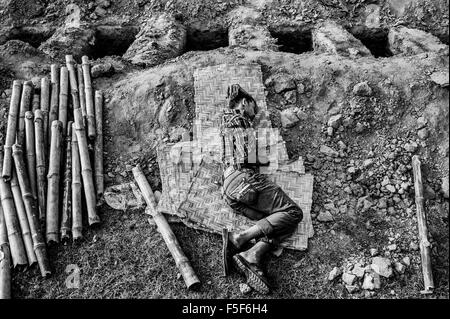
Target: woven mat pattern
column 189, row 188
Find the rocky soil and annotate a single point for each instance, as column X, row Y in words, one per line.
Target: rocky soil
column 357, row 88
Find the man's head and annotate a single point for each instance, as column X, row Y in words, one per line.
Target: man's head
column 241, row 101
column 246, row 107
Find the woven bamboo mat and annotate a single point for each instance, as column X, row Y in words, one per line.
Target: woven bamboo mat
column 189, row 189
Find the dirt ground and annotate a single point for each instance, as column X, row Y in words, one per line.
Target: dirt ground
column 126, row 257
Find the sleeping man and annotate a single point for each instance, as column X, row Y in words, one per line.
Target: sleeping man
column 251, row 194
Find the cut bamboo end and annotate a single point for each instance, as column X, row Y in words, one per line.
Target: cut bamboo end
column 54, row 73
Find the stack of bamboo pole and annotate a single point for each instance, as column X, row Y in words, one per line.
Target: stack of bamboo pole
column 50, row 131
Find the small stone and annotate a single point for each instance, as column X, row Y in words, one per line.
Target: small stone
column 423, row 133
column 362, row 89
column 371, row 281
column 382, row 203
column 385, row 181
column 413, row 246
column 373, row 252
column 440, row 78
column 325, row 217
column 329, row 131
column 406, row 260
column 352, row 288
column 335, row 121
column 104, row 69
column 399, row 267
column 328, row 151
column 342, row 145
column 421, row 122
column 428, row 192
column 336, row 272
column 411, row 147
column 382, row 266
column 291, row 97
column 283, row 83
column 392, row 247
column 348, row 278
column 289, row 118
column 358, row 270
column 391, row 188
column 359, row 128
column 244, row 288
column 368, row 162
column 99, row 11
column 444, row 186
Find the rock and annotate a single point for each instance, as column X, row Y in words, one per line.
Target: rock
column 124, row 197
column 101, row 12
column 103, row 3
column 413, row 246
column 330, row 131
column 371, row 281
column 289, row 118
column 336, row 272
column 244, row 288
column 408, row 41
column 348, row 278
column 103, row 69
column 358, row 270
column 391, row 188
column 406, row 260
column 325, row 217
column 382, row 266
column 411, row 147
column 444, row 186
column 74, row 41
column 428, row 192
column 385, row 181
column 421, row 122
column 359, row 127
column 352, row 288
column 392, row 247
column 332, row 38
column 342, row 145
column 282, row 82
column 399, row 267
column 335, row 121
column 291, row 97
column 373, row 252
column 440, row 78
column 328, row 151
column 161, row 37
column 368, row 162
column 362, row 89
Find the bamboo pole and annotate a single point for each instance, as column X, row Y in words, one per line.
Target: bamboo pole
column 86, row 170
column 23, row 219
column 39, row 136
column 31, row 209
column 98, row 149
column 53, row 179
column 70, row 63
column 36, row 102
column 16, row 245
column 82, row 94
column 54, row 100
column 77, row 225
column 5, row 260
column 425, row 246
column 63, row 98
column 66, row 215
column 182, row 262
column 11, row 129
column 30, row 151
column 90, row 112
column 25, row 102
column 45, row 103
